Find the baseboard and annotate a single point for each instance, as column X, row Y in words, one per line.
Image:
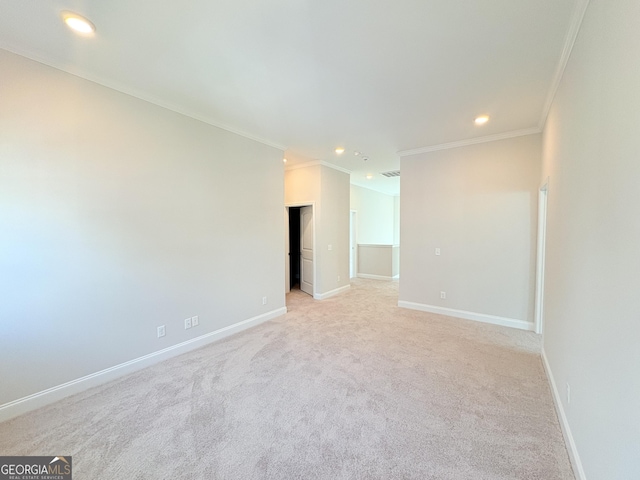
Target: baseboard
column 374, row 277
column 570, row 443
column 478, row 317
column 331, row 293
column 45, row 397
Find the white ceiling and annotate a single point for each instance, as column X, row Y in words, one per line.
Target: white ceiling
column 375, row 76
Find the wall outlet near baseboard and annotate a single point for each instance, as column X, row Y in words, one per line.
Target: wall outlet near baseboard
column 443, row 295
column 338, row 277
column 195, row 321
column 187, row 323
column 161, row 331
column 264, row 300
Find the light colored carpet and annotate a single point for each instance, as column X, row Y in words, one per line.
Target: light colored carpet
column 351, row 387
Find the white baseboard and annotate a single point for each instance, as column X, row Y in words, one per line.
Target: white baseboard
column 331, row 293
column 45, row 397
column 479, row 317
column 374, row 277
column 574, row 457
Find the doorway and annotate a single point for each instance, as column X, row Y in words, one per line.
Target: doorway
column 301, row 255
column 294, row 248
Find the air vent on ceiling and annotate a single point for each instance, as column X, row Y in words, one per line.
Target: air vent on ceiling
column 394, row 173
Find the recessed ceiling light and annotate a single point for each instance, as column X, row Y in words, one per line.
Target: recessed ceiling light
column 284, row 160
column 356, row 153
column 339, row 150
column 78, row 23
column 482, row 119
column 369, row 176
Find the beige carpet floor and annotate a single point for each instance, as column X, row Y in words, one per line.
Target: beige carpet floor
column 351, row 387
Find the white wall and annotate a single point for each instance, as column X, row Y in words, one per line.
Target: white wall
column 334, row 230
column 378, row 261
column 376, row 216
column 478, row 204
column 592, row 305
column 328, row 190
column 117, row 216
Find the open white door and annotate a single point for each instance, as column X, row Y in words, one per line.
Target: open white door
column 306, row 250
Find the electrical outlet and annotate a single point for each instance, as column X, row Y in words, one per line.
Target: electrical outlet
column 161, row 332
column 443, row 295
column 437, row 251
column 338, row 277
column 568, row 394
column 195, row 321
column 264, row 300
column 330, row 247
column 187, row 323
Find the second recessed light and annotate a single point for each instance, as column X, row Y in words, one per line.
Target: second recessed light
column 339, row 150
column 78, row 23
column 481, row 120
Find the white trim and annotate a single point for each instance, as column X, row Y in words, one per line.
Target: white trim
column 144, row 96
column 540, row 257
column 569, row 42
column 313, row 163
column 331, row 293
column 471, row 141
column 570, row 443
column 479, row 317
column 53, row 394
column 374, row 277
column 287, row 251
column 300, row 204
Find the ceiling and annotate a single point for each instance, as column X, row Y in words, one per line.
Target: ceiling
column 372, row 76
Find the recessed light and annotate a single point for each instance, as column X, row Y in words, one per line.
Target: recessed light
column 356, row 153
column 78, row 23
column 482, row 119
column 339, row 150
column 369, row 176
column 284, row 160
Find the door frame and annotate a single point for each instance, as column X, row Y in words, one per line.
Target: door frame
column 543, row 193
column 353, row 243
column 287, row 206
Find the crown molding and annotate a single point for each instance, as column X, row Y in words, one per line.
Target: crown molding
column 569, row 42
column 313, row 163
column 300, row 165
column 335, row 167
column 471, row 141
column 140, row 95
